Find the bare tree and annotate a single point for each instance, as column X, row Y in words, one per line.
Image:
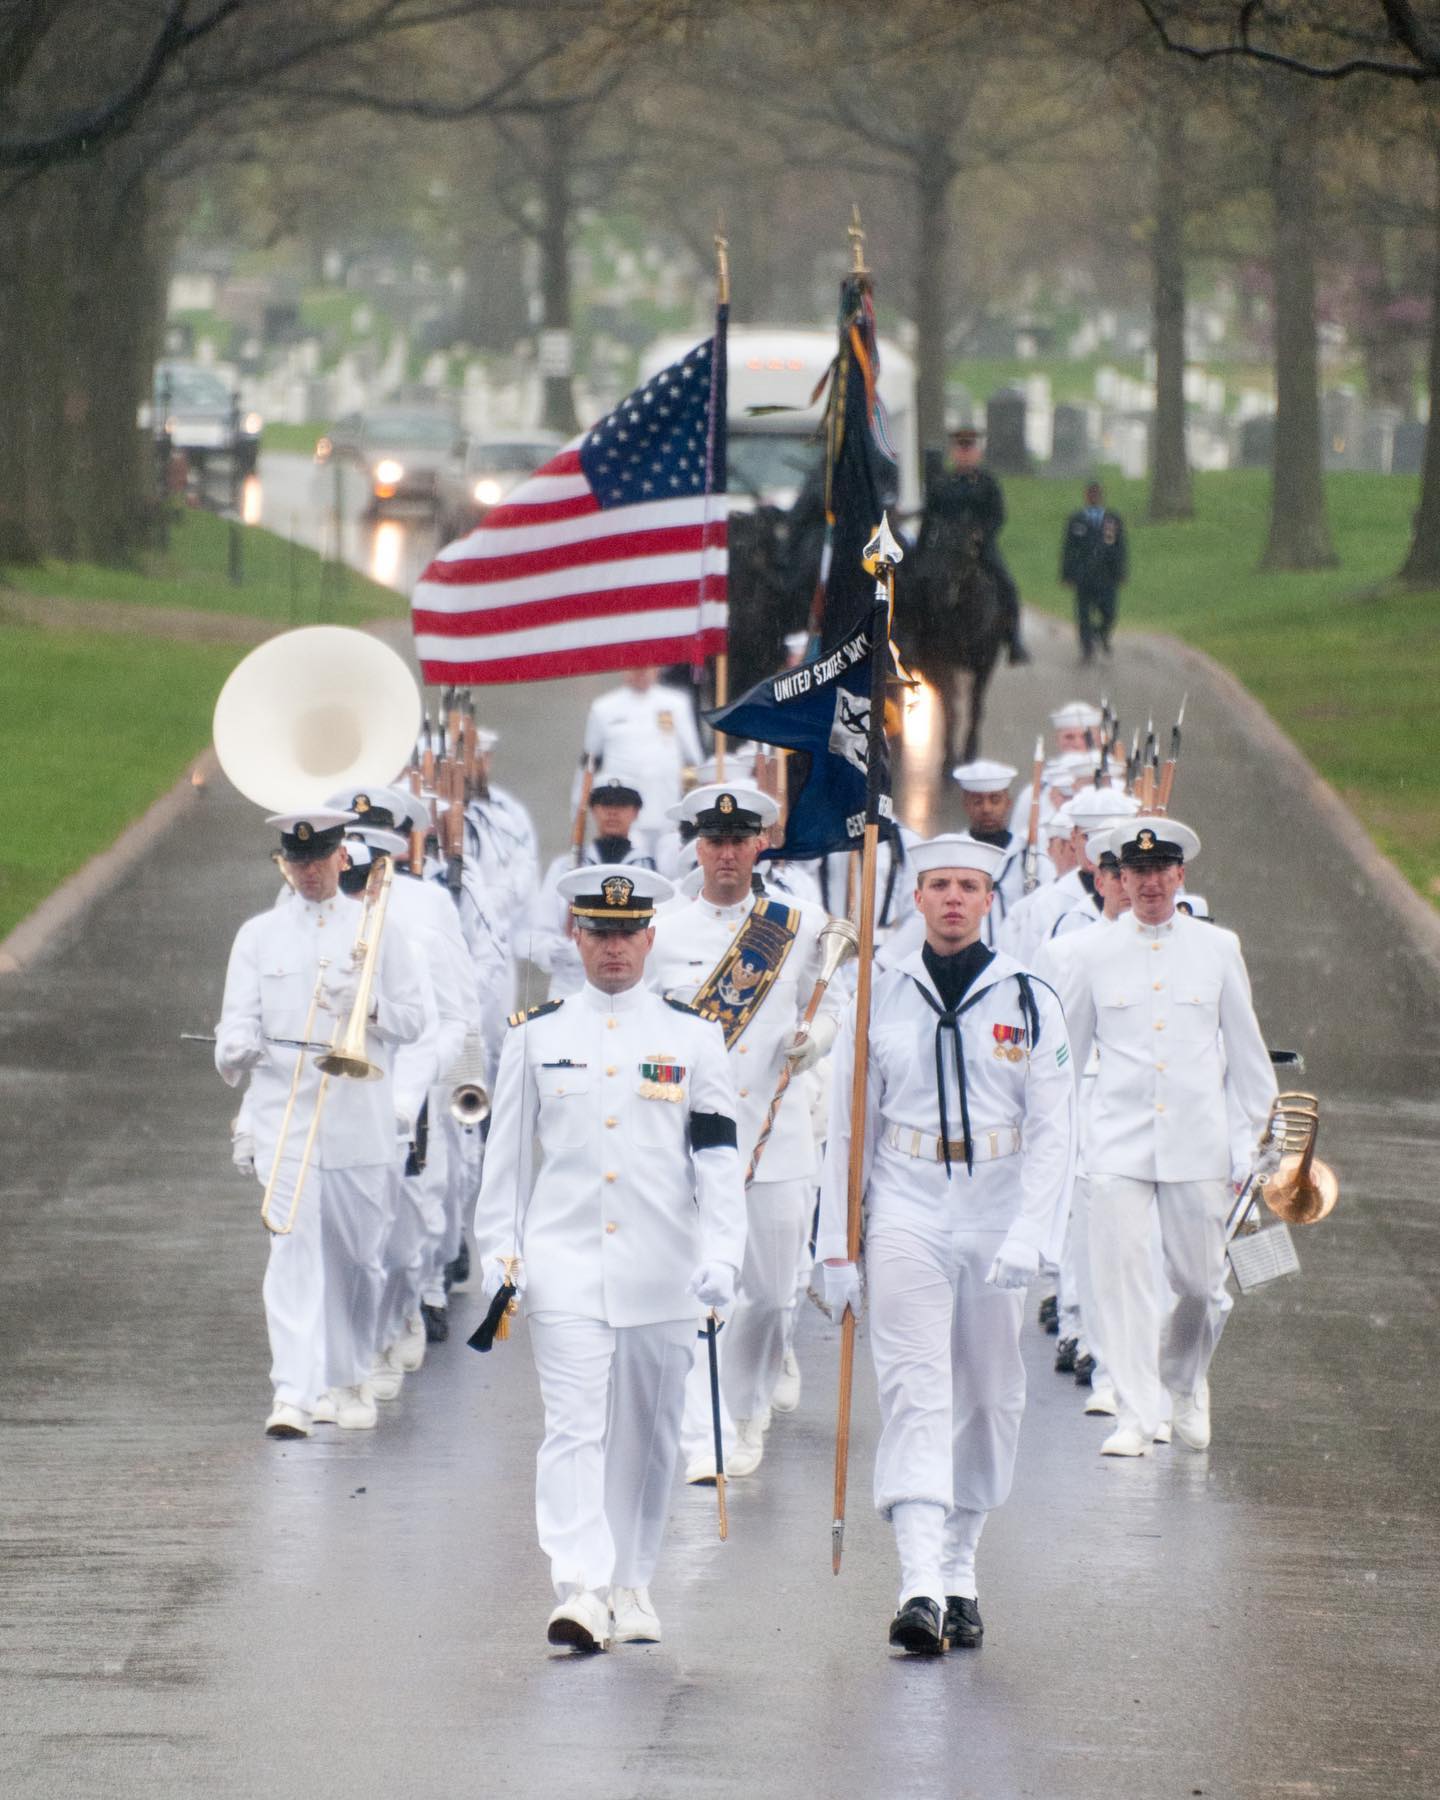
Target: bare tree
column 1305, row 37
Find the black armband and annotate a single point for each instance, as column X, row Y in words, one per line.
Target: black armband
column 711, row 1131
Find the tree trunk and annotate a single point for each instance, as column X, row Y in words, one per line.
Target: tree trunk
column 558, row 403
column 934, row 174
column 1299, row 531
column 1422, row 566
column 1170, row 490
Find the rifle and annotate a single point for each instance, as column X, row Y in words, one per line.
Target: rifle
column 1032, row 830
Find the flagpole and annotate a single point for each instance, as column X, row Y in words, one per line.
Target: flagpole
column 722, row 311
column 882, row 553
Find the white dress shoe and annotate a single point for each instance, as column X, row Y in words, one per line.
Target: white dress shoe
column 744, row 1459
column 1162, row 1432
column 386, row 1380
column 324, row 1413
column 407, row 1353
column 636, row 1621
column 355, row 1408
column 700, row 1470
column 287, row 1421
column 787, row 1389
column 1127, row 1441
column 582, row 1622
column 1102, row 1403
column 1191, row 1415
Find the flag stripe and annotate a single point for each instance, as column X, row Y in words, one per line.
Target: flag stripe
column 527, row 615
column 487, row 542
column 569, row 658
column 491, row 570
column 585, row 632
column 556, row 584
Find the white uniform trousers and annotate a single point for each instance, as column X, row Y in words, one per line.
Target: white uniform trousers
column 464, row 1150
column 603, row 1475
column 952, row 1390
column 416, row 1227
column 324, row 1281
column 1150, row 1351
column 752, row 1345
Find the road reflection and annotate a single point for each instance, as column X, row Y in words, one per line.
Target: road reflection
column 920, row 735
column 326, row 509
column 387, row 552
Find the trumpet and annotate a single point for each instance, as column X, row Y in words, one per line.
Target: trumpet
column 469, row 1100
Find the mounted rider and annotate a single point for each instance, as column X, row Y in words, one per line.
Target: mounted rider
column 967, row 499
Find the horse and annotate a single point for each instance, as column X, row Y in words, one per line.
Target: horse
column 949, row 625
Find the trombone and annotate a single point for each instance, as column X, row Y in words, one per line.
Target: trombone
column 346, row 1057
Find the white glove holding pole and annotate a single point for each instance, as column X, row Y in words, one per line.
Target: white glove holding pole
column 1015, row 1266
column 242, row 1152
column 842, row 1288
column 237, row 1055
column 808, row 1046
column 495, row 1271
column 713, row 1285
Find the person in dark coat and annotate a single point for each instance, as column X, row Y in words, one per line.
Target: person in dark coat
column 1094, row 561
column 967, row 498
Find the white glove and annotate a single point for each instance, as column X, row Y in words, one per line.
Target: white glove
column 338, row 991
column 494, row 1274
column 1016, row 1265
column 807, row 1047
column 842, row 1289
column 713, row 1284
column 242, row 1152
column 235, row 1058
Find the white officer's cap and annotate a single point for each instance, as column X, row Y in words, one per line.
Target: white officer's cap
column 613, row 896
column 1093, row 806
column 728, row 809
column 1151, row 837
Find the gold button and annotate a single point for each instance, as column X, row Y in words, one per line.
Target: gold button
column 1158, row 986
column 744, row 1048
column 1159, row 1024
column 612, row 1123
column 610, row 1225
column 610, row 1174
column 1154, row 946
column 744, row 1093
column 610, row 1024
column 1159, row 1106
column 1159, row 1068
column 559, row 1090
column 612, row 1070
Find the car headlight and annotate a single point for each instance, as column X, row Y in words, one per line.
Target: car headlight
column 488, row 491
column 251, row 424
column 388, row 471
column 323, row 450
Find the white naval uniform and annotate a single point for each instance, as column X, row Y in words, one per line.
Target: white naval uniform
column 323, row 1282
column 652, row 733
column 946, row 1345
column 1182, row 1094
column 1034, row 917
column 547, row 943
column 689, row 941
column 620, row 1215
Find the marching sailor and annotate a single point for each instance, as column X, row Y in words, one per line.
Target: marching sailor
column 635, row 1214
column 1077, row 726
column 1182, row 1096
column 968, row 1156
column 752, row 960
column 323, row 1283
column 615, row 802
column 1070, row 901
column 651, row 729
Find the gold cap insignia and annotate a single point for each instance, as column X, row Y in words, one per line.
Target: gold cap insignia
column 725, row 804
column 304, row 832
column 1146, row 840
column 362, row 803
column 617, row 890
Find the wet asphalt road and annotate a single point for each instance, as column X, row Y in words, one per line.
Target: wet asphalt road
column 187, row 1608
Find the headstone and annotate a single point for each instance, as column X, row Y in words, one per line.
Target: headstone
column 1342, row 427
column 1070, row 446
column 1257, row 441
column 1005, row 450
column 1407, row 453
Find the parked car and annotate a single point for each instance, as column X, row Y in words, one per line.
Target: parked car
column 404, row 452
column 202, row 417
column 491, row 468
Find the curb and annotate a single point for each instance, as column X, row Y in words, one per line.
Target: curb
column 1412, row 913
column 37, row 931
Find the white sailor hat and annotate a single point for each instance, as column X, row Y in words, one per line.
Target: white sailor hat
column 1076, row 715
column 956, row 850
column 310, row 836
column 485, row 739
column 613, row 897
column 1092, row 806
column 739, row 761
column 1060, row 824
column 616, row 788
column 728, row 809
column 983, row 777
column 1152, row 838
column 377, row 838
column 1100, row 846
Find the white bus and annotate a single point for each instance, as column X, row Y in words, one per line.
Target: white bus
column 780, row 365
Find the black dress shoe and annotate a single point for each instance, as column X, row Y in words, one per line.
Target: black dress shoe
column 963, row 1626
column 1050, row 1315
column 458, row 1269
column 916, row 1628
column 437, row 1323
column 1065, row 1356
column 1018, row 653
column 1084, row 1369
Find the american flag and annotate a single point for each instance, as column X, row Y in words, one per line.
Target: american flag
column 611, row 556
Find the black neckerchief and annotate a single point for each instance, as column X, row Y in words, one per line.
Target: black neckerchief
column 1000, row 839
column 611, row 849
column 954, row 976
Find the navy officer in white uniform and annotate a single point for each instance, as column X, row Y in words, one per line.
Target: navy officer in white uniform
column 969, row 1155
column 635, row 1216
column 1182, row 1094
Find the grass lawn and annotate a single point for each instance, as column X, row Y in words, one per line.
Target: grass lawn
column 154, row 697
column 281, row 581
column 1348, row 664
column 294, row 440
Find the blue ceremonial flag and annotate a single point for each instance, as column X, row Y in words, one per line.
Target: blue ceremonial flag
column 820, row 710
